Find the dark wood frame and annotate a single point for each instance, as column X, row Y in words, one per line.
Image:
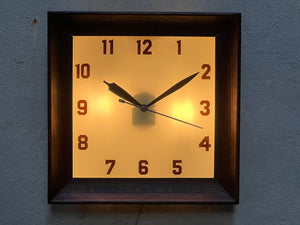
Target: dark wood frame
column 223, row 188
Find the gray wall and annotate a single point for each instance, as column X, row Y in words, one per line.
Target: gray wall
column 270, row 117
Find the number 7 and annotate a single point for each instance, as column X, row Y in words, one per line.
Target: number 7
column 112, row 164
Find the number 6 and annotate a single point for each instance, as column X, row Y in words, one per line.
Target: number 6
column 143, row 169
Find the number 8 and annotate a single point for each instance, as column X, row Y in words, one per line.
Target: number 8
column 82, row 142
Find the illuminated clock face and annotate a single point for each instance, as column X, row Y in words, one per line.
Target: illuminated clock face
column 143, row 107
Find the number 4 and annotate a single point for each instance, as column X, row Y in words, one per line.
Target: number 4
column 205, row 143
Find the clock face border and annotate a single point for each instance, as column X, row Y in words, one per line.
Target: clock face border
column 223, row 188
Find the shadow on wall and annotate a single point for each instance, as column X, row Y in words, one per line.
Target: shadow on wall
column 134, row 214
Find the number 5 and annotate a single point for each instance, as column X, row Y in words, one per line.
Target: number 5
column 177, row 167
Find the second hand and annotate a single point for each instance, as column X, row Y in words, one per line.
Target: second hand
column 146, row 109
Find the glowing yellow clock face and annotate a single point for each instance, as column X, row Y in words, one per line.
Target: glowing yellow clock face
column 116, row 139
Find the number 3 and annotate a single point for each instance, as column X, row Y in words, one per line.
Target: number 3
column 206, row 104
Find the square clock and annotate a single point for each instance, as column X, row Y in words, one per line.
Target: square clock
column 143, row 108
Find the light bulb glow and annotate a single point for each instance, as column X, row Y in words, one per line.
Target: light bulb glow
column 183, row 110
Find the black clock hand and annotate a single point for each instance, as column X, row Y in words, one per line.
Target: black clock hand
column 174, row 88
column 116, row 89
column 144, row 108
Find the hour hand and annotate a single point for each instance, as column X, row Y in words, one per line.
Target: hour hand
column 117, row 90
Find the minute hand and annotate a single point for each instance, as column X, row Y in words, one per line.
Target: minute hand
column 174, row 88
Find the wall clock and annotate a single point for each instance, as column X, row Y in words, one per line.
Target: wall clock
column 143, row 107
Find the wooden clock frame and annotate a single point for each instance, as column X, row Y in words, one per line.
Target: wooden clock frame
column 223, row 188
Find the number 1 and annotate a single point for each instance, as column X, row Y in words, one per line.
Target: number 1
column 179, row 47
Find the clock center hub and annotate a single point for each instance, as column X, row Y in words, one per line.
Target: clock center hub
column 144, row 108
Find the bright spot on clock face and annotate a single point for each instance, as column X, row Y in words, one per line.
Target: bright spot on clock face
column 103, row 104
column 183, row 110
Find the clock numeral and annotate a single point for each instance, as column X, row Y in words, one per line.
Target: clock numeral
column 143, row 169
column 147, row 43
column 108, row 45
column 112, row 163
column 177, row 168
column 83, row 70
column 205, row 143
column 205, row 75
column 206, row 110
column 82, row 106
column 179, row 47
column 82, row 142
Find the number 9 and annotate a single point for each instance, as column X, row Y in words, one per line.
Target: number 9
column 82, row 106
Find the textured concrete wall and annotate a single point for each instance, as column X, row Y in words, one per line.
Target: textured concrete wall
column 270, row 117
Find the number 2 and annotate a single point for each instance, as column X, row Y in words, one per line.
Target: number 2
column 205, row 75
